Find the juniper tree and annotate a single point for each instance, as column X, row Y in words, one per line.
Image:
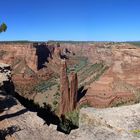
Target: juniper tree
column 3, row 27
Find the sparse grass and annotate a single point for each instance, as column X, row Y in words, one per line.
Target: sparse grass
column 85, row 105
column 44, row 86
column 82, row 62
column 119, row 103
column 90, row 70
column 135, row 131
column 94, row 72
column 135, row 43
column 2, row 52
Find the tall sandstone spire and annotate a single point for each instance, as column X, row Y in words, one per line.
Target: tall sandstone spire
column 64, row 89
column 68, row 92
column 73, row 90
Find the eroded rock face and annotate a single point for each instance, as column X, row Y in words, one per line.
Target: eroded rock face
column 119, row 84
column 27, row 63
column 64, row 89
column 13, row 53
column 5, row 73
column 73, row 90
column 68, row 90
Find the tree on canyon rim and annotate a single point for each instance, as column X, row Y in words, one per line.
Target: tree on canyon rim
column 3, row 27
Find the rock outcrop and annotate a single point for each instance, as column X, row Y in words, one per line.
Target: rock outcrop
column 5, row 73
column 119, row 123
column 21, row 124
column 73, row 90
column 68, row 91
column 14, row 53
column 64, row 90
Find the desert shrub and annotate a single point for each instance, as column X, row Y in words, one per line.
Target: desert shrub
column 73, row 117
column 69, row 122
column 56, row 95
column 58, row 86
column 64, row 125
column 55, row 102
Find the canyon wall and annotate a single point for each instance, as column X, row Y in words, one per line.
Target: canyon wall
column 105, row 87
column 14, row 52
column 120, row 84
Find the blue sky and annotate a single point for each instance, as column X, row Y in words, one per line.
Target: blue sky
column 83, row 20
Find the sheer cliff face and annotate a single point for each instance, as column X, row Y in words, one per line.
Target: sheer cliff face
column 73, row 90
column 13, row 54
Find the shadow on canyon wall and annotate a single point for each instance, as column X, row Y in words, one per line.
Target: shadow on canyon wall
column 81, row 93
column 43, row 53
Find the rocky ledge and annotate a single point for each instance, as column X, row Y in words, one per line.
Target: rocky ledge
column 118, row 123
column 21, row 124
column 5, row 73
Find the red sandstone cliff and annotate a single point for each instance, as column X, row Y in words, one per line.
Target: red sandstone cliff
column 68, row 91
column 14, row 53
column 64, row 89
column 73, row 90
